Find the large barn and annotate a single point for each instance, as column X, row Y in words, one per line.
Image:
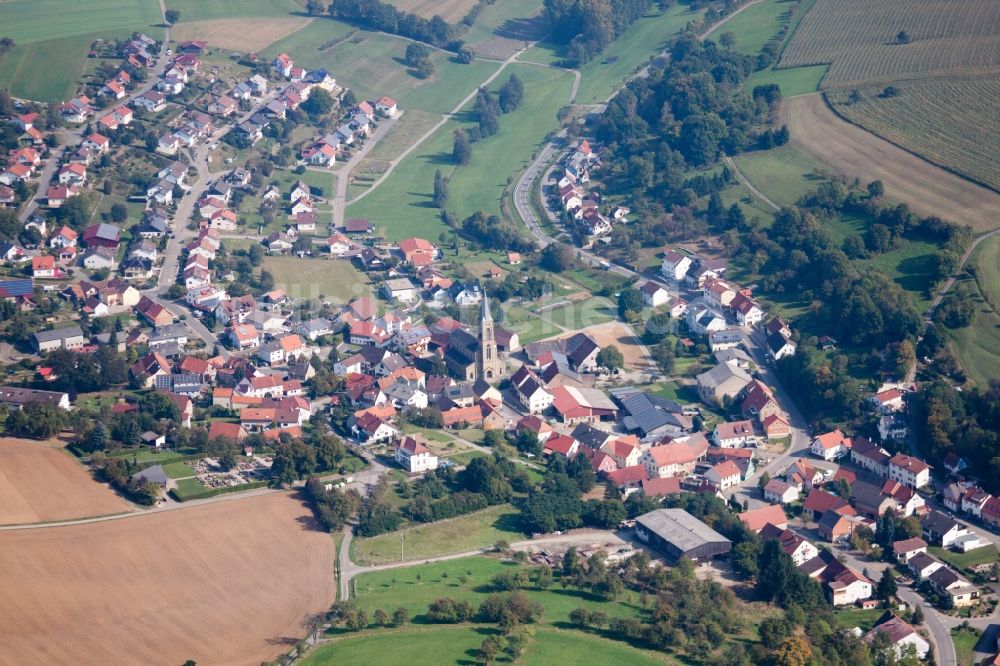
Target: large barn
column 677, row 533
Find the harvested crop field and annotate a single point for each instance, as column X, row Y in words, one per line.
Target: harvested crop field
column 854, row 152
column 859, row 39
column 224, row 583
column 39, row 482
column 451, row 11
column 948, row 121
column 239, row 34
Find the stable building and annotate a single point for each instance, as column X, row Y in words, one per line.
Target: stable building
column 676, row 533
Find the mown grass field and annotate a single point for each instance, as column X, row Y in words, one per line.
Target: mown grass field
column 459, row 645
column 858, row 39
column 978, row 345
column 502, row 27
column 451, row 11
column 756, row 25
column 948, row 121
column 626, row 54
column 402, row 203
column 53, row 39
column 197, row 10
column 457, row 535
column 792, row 81
column 315, row 278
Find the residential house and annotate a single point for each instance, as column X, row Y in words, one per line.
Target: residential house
column 413, row 456
column 911, row 472
column 780, row 492
column 831, row 446
column 757, row 519
column 675, row 265
column 941, row 530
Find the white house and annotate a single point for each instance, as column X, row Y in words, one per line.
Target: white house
column 831, row 446
column 675, row 265
column 911, row 472
column 414, row 456
column 903, row 637
column 725, row 475
column 654, row 294
column 734, row 434
column 778, row 492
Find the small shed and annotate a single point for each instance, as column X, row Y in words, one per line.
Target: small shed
column 151, row 438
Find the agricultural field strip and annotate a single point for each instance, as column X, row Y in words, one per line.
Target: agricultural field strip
column 857, row 153
column 858, row 39
column 946, row 120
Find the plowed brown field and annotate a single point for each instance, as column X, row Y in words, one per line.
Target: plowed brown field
column 224, row 583
column 41, row 483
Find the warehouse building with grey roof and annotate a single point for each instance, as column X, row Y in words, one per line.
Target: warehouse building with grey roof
column 676, row 533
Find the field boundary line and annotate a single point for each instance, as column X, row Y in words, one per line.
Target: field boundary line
column 747, row 184
column 950, row 170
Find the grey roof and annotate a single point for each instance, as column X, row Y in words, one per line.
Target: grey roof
column 721, row 374
column 589, row 435
column 920, row 561
column 648, row 413
column 680, row 528
column 937, row 522
column 154, row 475
column 168, row 332
column 59, row 333
column 945, row 577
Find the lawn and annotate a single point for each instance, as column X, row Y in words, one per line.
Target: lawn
column 783, row 174
column 401, row 204
column 197, row 10
column 961, row 561
column 865, row 619
column 792, row 81
column 145, row 454
column 633, row 49
column 316, row 278
column 978, row 345
column 456, row 535
column 414, row 588
column 178, row 470
column 987, row 263
column 499, row 17
column 965, row 641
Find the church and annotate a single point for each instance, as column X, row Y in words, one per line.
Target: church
column 471, row 357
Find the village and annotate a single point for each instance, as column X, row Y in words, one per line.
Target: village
column 168, row 275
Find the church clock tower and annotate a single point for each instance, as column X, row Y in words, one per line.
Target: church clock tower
column 489, row 361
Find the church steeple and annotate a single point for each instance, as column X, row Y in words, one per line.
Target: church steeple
column 490, row 364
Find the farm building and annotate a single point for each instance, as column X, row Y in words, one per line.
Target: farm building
column 677, row 533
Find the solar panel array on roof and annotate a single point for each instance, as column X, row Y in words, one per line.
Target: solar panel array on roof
column 14, row 288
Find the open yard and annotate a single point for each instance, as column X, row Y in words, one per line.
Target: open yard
column 224, row 583
column 39, row 482
column 858, row 38
column 961, row 561
column 854, row 152
column 476, row 530
column 317, row 277
column 948, row 121
column 239, row 34
column 620, row 335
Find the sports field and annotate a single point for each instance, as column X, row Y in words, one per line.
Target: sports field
column 239, row 34
column 53, row 38
column 224, row 583
column 859, row 39
column 476, row 530
column 317, row 278
column 945, row 120
column 40, row 482
column 402, row 202
column 854, row 152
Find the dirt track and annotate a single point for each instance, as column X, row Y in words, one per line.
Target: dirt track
column 41, row 483
column 854, row 152
column 226, row 583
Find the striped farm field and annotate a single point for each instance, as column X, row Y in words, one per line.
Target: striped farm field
column 858, row 38
column 948, row 121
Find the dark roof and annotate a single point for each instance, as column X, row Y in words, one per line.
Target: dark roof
column 154, row 475
column 59, row 333
column 11, row 288
column 590, row 436
column 830, row 519
column 939, row 523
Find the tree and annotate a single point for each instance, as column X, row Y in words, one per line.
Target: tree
column 119, row 213
column 381, row 617
column 400, row 616
column 415, row 53
column 611, row 359
column 887, row 586
column 320, row 102
column 557, row 257
column 488, row 650
column 630, row 303
column 461, row 150
column 665, row 357
column 424, row 69
column 98, row 438
column 876, row 189
column 315, row 8
column 793, row 651
column 511, row 94
column 764, row 479
column 902, row 37
column 172, row 16
column 440, row 197
column 727, row 40
column 465, row 54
